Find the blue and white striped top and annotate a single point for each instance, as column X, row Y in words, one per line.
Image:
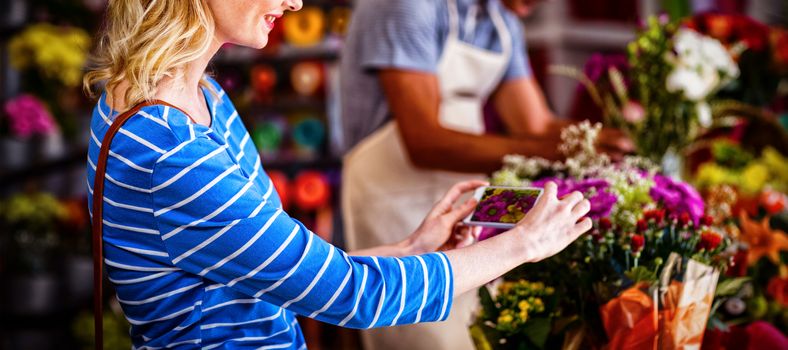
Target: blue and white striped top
column 202, row 255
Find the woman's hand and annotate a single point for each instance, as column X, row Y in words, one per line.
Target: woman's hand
column 553, row 223
column 440, row 229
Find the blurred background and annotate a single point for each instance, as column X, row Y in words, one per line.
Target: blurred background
column 286, row 94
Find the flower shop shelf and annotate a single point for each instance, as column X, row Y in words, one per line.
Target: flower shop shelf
column 12, row 177
column 327, row 51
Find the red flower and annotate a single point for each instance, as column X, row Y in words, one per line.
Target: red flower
column 684, row 219
column 707, row 220
column 642, row 226
column 656, row 215
column 777, row 289
column 637, row 242
column 709, row 241
column 605, row 224
column 773, row 202
column 739, row 265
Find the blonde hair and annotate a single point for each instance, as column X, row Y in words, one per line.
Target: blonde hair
column 144, row 41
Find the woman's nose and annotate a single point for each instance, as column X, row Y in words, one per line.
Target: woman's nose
column 294, row 5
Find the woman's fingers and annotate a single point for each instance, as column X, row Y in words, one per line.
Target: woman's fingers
column 582, row 227
column 447, row 202
column 572, row 199
column 462, row 211
column 581, row 208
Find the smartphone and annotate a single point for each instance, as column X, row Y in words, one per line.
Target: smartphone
column 502, row 207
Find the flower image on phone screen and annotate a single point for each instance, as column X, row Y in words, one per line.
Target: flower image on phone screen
column 506, row 206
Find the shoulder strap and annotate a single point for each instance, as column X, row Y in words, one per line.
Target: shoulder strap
column 98, row 204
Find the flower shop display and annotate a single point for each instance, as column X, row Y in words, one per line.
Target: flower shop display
column 661, row 95
column 51, row 59
column 745, row 185
column 645, row 274
column 761, row 54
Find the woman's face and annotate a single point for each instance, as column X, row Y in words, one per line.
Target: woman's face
column 248, row 22
column 521, row 8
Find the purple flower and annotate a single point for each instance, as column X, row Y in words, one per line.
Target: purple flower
column 491, row 209
column 677, row 197
column 598, row 64
column 602, row 201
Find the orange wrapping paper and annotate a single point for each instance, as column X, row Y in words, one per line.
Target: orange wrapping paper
column 632, row 321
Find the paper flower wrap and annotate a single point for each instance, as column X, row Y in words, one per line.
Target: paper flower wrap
column 636, row 320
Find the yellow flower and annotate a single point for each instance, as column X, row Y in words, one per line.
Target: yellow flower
column 523, row 316
column 711, row 174
column 523, row 305
column 549, row 290
column 505, row 318
column 756, row 175
column 58, row 53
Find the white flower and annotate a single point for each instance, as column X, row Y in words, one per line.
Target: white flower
column 695, row 84
column 701, row 65
column 704, row 114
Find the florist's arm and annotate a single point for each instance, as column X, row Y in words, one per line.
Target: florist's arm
column 414, row 99
column 523, row 109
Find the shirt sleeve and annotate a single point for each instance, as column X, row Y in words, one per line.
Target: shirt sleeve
column 519, row 65
column 216, row 222
column 398, row 34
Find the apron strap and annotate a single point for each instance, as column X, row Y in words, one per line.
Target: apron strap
column 97, row 220
column 470, row 23
column 454, row 19
column 503, row 31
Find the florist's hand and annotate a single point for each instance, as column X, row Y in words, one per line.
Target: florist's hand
column 552, row 224
column 440, row 229
column 614, row 143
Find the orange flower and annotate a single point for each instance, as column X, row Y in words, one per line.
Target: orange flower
column 763, row 241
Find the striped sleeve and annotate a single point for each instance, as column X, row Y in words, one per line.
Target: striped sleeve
column 220, row 223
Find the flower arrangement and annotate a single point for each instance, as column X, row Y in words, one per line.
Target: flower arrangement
column 660, row 97
column 732, row 165
column 645, row 225
column 520, row 313
column 27, row 116
column 51, row 59
column 32, row 219
column 761, row 53
column 56, row 53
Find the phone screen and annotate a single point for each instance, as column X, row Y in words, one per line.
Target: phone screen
column 504, row 205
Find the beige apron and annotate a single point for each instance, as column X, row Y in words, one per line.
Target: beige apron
column 385, row 197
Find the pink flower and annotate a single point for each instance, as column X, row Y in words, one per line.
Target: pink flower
column 27, row 116
column 633, row 112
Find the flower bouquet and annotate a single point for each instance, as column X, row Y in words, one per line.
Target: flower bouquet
column 645, row 274
column 660, row 95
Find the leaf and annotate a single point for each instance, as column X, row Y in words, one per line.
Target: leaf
column 731, row 286
column 480, row 340
column 488, row 305
column 717, row 323
column 537, row 329
column 641, row 274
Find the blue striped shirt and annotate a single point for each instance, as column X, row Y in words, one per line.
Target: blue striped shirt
column 202, row 255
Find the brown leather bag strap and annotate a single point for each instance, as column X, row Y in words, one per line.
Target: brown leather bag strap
column 98, row 204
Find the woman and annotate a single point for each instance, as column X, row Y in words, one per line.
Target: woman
column 196, row 243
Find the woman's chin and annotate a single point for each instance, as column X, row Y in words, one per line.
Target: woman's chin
column 261, row 43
